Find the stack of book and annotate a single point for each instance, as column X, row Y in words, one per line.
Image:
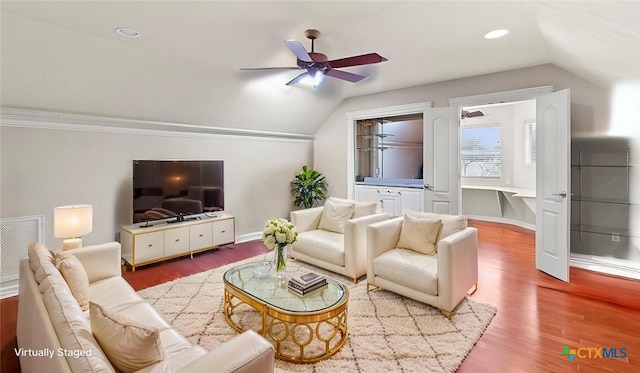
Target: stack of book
column 307, row 283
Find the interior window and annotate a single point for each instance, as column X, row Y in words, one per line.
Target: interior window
column 481, row 151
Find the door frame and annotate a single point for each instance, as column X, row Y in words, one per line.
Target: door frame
column 353, row 116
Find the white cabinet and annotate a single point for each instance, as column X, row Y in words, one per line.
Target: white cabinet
column 176, row 241
column 150, row 246
column 200, row 236
column 392, row 200
column 223, row 231
column 144, row 245
column 411, row 199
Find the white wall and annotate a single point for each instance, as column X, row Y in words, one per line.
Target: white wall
column 44, row 168
column 589, row 109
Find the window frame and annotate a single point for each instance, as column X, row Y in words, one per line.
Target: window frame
column 480, row 126
column 529, row 143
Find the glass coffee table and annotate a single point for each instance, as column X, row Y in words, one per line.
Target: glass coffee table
column 303, row 329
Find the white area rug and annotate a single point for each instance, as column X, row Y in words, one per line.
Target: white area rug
column 387, row 332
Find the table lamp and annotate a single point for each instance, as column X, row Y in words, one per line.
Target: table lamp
column 71, row 222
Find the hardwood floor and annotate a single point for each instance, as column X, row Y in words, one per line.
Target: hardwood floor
column 537, row 315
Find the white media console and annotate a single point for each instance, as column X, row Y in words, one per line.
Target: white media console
column 162, row 240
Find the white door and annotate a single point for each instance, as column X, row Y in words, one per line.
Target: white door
column 441, row 174
column 553, row 185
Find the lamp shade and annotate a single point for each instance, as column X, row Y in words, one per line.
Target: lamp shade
column 72, row 221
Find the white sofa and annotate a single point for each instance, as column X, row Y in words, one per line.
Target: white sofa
column 50, row 321
column 441, row 280
column 344, row 253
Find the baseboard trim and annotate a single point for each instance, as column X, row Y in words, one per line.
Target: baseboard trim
column 610, row 266
column 248, row 237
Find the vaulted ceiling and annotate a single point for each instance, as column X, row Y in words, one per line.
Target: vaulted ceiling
column 65, row 56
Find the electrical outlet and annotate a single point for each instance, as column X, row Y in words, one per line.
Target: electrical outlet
column 507, row 182
column 615, row 237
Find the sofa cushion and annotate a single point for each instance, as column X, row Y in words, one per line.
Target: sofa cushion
column 129, row 345
column 450, row 223
column 360, row 209
column 335, row 215
column 420, row 234
column 323, row 245
column 41, row 261
column 409, row 269
column 75, row 276
column 72, row 327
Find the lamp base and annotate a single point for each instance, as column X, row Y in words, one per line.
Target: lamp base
column 72, row 243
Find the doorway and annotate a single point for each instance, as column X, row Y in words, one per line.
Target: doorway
column 498, row 162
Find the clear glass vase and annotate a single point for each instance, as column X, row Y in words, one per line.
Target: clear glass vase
column 280, row 260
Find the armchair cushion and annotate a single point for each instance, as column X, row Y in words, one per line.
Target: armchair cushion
column 409, row 269
column 335, row 215
column 420, row 234
column 450, row 223
column 359, row 208
column 321, row 244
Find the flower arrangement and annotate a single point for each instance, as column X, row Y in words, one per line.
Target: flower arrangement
column 277, row 234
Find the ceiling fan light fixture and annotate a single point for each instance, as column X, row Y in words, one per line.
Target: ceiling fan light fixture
column 318, row 77
column 496, row 34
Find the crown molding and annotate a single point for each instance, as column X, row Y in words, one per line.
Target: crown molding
column 14, row 117
column 390, row 111
column 501, row 97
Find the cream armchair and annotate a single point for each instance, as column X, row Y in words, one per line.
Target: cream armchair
column 441, row 280
column 334, row 236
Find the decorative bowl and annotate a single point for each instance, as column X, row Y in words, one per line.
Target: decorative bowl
column 261, row 269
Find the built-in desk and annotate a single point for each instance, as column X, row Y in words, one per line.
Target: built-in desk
column 500, row 203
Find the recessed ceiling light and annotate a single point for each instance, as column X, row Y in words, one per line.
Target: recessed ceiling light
column 496, row 34
column 127, row 32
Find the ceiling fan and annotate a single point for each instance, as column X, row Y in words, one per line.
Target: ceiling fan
column 318, row 65
column 472, row 114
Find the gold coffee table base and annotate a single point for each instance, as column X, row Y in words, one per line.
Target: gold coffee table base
column 298, row 337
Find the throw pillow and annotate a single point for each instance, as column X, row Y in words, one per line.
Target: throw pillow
column 360, row 208
column 420, row 234
column 335, row 215
column 450, row 223
column 74, row 274
column 129, row 346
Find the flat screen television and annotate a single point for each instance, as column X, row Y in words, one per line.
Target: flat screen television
column 163, row 189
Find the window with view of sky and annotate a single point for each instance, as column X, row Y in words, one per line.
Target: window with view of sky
column 481, row 152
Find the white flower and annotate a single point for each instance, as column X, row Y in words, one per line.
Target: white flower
column 278, row 231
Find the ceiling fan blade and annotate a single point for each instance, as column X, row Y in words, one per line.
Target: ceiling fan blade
column 298, row 49
column 298, row 78
column 363, row 59
column 268, row 68
column 350, row 77
column 466, row 114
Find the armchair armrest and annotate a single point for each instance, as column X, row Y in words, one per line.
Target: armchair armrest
column 247, row 352
column 381, row 237
column 355, row 243
column 457, row 266
column 100, row 261
column 307, row 219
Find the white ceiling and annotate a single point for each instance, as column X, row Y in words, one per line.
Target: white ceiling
column 65, row 56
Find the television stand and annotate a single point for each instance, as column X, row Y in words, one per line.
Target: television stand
column 168, row 239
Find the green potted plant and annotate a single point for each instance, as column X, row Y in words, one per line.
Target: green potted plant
column 308, row 188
